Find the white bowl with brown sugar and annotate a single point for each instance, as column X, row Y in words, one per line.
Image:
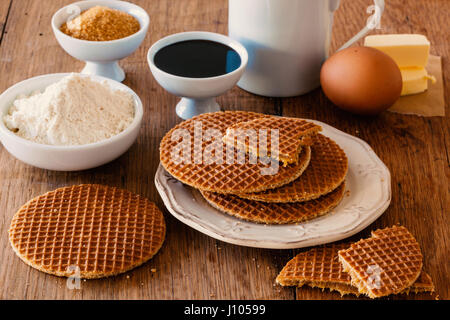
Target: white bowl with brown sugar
column 72, row 149
column 102, row 32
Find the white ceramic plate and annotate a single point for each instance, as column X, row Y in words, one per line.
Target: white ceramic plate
column 369, row 193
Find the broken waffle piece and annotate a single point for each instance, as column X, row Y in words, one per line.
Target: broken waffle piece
column 320, row 268
column 280, row 138
column 387, row 263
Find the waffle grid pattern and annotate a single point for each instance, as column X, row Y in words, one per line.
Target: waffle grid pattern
column 222, row 177
column 394, row 251
column 326, row 171
column 274, row 213
column 291, row 133
column 102, row 230
column 320, row 267
column 319, row 264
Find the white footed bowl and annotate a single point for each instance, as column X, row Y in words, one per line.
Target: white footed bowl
column 101, row 56
column 65, row 158
column 198, row 93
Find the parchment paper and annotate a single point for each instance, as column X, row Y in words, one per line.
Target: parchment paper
column 429, row 103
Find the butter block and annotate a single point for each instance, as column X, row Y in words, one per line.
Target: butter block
column 407, row 50
column 415, row 80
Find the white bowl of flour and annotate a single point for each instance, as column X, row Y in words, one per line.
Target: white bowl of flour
column 69, row 122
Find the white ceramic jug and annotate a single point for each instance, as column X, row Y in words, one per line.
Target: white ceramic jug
column 287, row 42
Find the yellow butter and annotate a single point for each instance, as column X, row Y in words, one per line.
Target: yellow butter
column 415, row 80
column 407, row 50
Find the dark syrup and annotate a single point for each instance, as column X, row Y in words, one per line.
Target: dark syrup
column 197, row 59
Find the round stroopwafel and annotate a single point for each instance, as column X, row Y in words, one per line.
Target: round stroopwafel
column 90, row 231
column 325, row 172
column 387, row 263
column 274, row 213
column 320, row 267
column 200, row 166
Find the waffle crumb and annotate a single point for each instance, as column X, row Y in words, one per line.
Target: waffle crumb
column 153, row 270
column 101, row 24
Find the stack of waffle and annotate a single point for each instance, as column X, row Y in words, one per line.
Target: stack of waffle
column 260, row 168
column 389, row 262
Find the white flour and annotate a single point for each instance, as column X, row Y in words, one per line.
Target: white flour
column 74, row 111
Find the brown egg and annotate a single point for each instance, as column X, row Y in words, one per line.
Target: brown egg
column 361, row 80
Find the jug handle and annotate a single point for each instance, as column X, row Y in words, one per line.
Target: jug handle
column 371, row 24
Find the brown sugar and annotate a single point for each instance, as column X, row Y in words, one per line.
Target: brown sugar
column 101, row 24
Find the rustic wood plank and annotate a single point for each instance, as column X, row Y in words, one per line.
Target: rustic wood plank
column 191, row 265
column 415, row 149
column 4, row 11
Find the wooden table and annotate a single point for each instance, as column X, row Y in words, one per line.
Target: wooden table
column 191, row 265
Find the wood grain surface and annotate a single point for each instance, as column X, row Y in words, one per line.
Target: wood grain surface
column 191, row 265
